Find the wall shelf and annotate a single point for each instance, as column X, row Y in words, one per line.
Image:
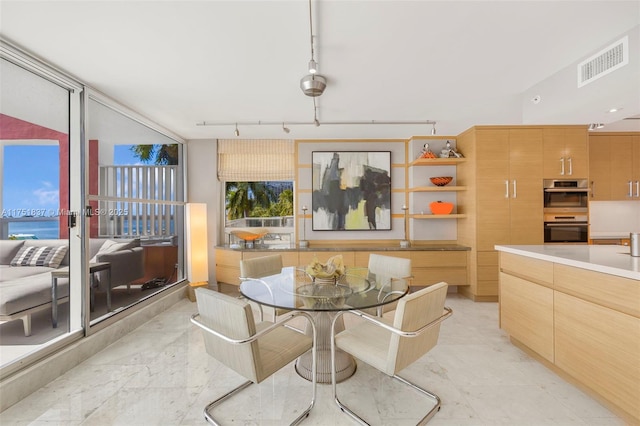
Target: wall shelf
column 453, row 161
column 438, row 216
column 437, row 188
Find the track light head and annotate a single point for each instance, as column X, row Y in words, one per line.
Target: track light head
column 433, row 129
column 285, row 129
column 237, row 132
column 313, row 66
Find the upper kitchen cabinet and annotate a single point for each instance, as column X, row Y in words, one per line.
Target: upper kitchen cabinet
column 614, row 166
column 504, row 198
column 565, row 152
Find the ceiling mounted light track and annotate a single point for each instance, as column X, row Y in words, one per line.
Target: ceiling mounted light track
column 324, row 123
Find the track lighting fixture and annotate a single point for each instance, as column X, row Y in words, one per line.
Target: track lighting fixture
column 594, row 126
column 237, row 132
column 433, row 129
column 312, row 84
column 285, row 129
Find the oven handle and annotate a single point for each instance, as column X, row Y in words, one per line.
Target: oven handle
column 557, row 224
column 567, row 190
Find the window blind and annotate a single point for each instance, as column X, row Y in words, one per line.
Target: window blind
column 254, row 160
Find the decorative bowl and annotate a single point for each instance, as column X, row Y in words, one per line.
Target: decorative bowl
column 441, row 207
column 441, row 180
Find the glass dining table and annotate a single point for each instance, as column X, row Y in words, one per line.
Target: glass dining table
column 294, row 289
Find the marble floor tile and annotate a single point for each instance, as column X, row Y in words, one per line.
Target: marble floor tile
column 160, row 374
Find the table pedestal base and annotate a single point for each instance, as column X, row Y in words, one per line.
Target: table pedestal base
column 345, row 364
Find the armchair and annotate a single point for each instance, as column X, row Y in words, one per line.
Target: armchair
column 383, row 270
column 392, row 345
column 262, row 267
column 253, row 350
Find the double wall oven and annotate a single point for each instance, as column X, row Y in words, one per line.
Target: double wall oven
column 566, row 211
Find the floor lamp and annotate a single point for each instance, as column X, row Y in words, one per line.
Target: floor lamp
column 197, row 247
column 303, row 243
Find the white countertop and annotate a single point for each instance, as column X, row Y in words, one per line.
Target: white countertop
column 608, row 259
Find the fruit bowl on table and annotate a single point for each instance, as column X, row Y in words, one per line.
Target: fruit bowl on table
column 441, row 180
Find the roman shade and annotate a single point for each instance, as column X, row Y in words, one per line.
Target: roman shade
column 255, row 160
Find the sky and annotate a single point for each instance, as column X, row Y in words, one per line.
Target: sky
column 30, row 178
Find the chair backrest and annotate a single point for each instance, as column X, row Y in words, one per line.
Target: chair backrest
column 413, row 312
column 261, row 266
column 383, row 268
column 232, row 317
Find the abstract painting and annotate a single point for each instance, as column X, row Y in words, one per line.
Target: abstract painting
column 351, row 190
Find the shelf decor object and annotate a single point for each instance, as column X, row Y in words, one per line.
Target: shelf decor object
column 441, row 180
column 441, row 207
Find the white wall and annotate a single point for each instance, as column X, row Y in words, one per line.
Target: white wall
column 203, row 187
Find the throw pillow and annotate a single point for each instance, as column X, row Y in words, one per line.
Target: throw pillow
column 109, row 246
column 8, row 250
column 39, row 256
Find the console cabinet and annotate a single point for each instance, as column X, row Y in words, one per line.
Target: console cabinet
column 428, row 266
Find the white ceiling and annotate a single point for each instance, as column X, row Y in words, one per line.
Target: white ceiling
column 459, row 63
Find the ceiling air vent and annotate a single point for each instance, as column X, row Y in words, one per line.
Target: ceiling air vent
column 602, row 63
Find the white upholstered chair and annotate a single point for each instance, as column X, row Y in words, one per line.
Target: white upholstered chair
column 260, row 267
column 382, row 272
column 253, row 350
column 390, row 345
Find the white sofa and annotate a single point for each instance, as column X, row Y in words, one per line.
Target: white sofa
column 27, row 289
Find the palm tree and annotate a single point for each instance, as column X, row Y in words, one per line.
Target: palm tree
column 161, row 154
column 242, row 197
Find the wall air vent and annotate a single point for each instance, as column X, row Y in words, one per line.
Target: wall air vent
column 605, row 61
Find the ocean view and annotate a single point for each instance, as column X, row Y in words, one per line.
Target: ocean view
column 42, row 230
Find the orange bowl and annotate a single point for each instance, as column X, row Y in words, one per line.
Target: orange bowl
column 441, row 180
column 441, row 207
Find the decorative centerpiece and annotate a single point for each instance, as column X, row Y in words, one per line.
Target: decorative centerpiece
column 326, row 273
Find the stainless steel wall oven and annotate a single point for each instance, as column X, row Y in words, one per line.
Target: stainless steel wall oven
column 566, row 211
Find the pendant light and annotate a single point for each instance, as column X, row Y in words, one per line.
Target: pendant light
column 312, row 84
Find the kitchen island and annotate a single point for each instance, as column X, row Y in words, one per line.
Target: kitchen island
column 576, row 308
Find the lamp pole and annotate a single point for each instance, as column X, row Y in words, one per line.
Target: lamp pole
column 303, row 243
column 405, row 243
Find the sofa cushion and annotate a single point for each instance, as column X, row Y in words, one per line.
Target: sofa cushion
column 29, row 292
column 39, row 256
column 110, row 246
column 8, row 273
column 8, row 250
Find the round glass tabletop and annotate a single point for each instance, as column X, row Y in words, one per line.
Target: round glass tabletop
column 293, row 288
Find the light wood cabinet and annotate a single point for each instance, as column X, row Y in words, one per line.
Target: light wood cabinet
column 614, row 166
column 427, row 266
column 566, row 152
column 503, row 200
column 586, row 324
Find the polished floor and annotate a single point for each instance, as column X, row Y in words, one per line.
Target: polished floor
column 160, row 374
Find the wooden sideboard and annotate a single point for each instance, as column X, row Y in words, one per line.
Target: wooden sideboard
column 430, row 264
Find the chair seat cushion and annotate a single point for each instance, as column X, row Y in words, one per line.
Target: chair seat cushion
column 368, row 341
column 280, row 347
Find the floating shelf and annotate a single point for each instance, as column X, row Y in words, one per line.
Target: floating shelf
column 438, row 161
column 437, row 188
column 438, row 216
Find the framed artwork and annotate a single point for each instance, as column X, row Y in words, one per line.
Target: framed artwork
column 351, row 190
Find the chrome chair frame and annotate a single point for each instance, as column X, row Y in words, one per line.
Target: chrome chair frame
column 281, row 322
column 376, row 320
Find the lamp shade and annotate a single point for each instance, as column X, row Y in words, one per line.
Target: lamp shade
column 197, row 246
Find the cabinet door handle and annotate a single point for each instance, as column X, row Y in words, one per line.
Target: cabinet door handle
column 570, row 166
column 638, row 188
column 562, row 166
column 630, row 189
column 506, row 187
column 593, row 189
column 515, row 189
